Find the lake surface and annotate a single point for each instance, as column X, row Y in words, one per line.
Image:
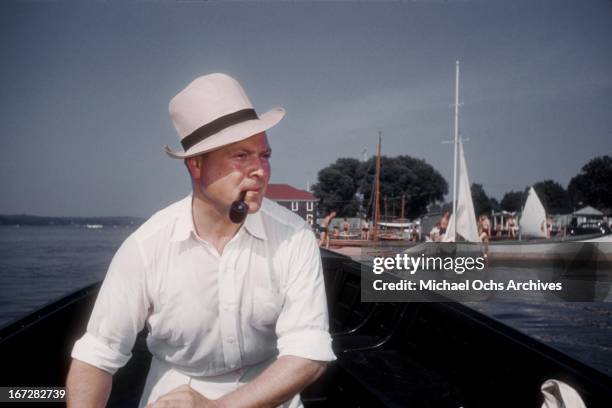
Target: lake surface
column 39, row 265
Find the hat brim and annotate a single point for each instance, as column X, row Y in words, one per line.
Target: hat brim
column 231, row 134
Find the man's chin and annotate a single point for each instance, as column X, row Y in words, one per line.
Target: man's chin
column 254, row 206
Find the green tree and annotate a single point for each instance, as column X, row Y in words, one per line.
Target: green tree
column 513, row 201
column 336, row 187
column 482, row 202
column 417, row 181
column 593, row 185
column 495, row 205
column 553, row 196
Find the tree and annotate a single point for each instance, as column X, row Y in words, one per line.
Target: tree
column 482, row 202
column 336, row 187
column 593, row 185
column 406, row 176
column 513, row 201
column 495, row 205
column 417, row 181
column 553, row 196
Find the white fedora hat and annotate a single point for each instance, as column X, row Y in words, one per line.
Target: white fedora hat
column 214, row 111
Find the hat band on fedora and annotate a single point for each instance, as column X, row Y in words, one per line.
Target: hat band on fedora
column 216, row 126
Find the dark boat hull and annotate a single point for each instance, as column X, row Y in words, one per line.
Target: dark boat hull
column 389, row 354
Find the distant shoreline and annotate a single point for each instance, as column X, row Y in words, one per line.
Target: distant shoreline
column 36, row 220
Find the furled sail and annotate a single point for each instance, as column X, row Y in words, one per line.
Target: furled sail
column 466, row 218
column 533, row 219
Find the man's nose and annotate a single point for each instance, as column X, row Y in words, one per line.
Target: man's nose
column 259, row 168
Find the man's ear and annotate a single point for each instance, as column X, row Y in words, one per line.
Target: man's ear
column 194, row 166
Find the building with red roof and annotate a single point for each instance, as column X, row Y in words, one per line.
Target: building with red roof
column 300, row 202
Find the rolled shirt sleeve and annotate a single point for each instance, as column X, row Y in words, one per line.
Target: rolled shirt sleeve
column 302, row 328
column 119, row 312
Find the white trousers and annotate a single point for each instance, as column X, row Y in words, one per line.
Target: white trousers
column 163, row 378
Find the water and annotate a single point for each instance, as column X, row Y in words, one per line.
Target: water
column 579, row 329
column 41, row 264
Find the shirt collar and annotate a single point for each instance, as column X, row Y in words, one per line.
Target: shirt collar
column 255, row 226
column 184, row 224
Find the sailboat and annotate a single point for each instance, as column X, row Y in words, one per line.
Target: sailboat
column 352, row 245
column 533, row 218
column 533, row 245
column 464, row 224
column 462, row 228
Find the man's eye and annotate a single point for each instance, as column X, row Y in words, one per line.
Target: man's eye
column 241, row 156
column 267, row 155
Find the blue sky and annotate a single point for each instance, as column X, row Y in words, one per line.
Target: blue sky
column 86, row 85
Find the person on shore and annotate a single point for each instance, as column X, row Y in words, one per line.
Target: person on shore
column 336, row 233
column 498, row 230
column 346, row 226
column 365, row 229
column 414, row 234
column 444, row 223
column 435, row 234
column 484, row 230
column 229, row 284
column 324, row 229
column 511, row 227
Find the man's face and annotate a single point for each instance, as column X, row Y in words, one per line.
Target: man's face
column 243, row 166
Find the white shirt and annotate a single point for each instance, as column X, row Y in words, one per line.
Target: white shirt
column 210, row 314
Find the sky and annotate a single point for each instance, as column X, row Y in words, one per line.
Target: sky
column 85, row 88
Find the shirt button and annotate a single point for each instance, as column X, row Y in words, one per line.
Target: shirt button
column 231, row 339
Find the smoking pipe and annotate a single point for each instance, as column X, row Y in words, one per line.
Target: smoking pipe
column 239, row 209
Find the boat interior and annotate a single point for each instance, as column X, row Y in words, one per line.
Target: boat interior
column 388, row 354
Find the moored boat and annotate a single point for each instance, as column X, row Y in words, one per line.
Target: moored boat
column 535, row 245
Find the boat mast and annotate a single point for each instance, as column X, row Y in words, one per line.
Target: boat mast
column 377, row 192
column 455, row 155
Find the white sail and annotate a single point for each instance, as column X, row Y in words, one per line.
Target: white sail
column 449, row 235
column 533, row 219
column 466, row 218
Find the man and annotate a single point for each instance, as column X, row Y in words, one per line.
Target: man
column 484, row 230
column 365, row 228
column 325, row 229
column 511, row 227
column 235, row 310
column 345, row 227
